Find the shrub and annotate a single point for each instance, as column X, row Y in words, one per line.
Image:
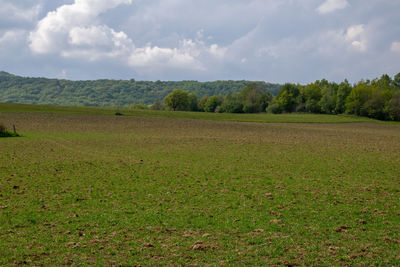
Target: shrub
column 139, row 106
column 2, row 128
column 5, row 133
column 157, row 106
column 212, row 103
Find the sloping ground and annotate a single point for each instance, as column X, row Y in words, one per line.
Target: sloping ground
column 17, row 89
column 105, row 190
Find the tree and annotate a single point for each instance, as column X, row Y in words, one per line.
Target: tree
column 202, row 103
column 157, row 106
column 381, row 92
column 329, row 96
column 343, row 92
column 393, row 107
column 212, row 103
column 177, row 100
column 310, row 96
column 287, row 99
column 396, row 81
column 232, row 103
column 255, row 98
column 359, row 94
column 193, row 102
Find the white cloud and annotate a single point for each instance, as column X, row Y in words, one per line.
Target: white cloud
column 395, row 47
column 13, row 12
column 74, row 31
column 187, row 55
column 354, row 31
column 356, row 37
column 332, row 5
column 156, row 56
column 61, row 26
column 12, row 36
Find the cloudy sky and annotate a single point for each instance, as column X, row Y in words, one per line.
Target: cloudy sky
column 269, row 40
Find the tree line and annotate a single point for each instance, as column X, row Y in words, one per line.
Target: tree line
column 16, row 89
column 378, row 99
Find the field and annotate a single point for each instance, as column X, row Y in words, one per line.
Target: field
column 153, row 189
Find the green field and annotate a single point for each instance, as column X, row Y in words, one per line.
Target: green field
column 262, row 117
column 84, row 187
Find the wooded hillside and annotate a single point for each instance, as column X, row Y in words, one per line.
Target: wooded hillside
column 16, row 89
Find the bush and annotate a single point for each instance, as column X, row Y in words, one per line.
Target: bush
column 139, row 106
column 157, row 106
column 212, row 103
column 5, row 133
column 2, row 128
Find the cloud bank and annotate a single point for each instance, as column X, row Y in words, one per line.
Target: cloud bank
column 276, row 41
column 75, row 31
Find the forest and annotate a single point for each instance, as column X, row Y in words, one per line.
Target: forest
column 16, row 89
column 378, row 99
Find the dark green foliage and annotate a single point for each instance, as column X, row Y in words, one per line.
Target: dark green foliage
column 393, row 107
column 329, row 97
column 177, row 100
column 193, row 102
column 396, row 81
column 371, row 98
column 2, row 128
column 15, row 89
column 5, row 133
column 343, row 92
column 202, row 103
column 255, row 97
column 377, row 99
column 232, row 103
column 212, row 103
column 310, row 95
column 157, row 106
column 357, row 97
column 287, row 99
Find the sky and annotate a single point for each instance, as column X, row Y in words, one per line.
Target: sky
column 276, row 41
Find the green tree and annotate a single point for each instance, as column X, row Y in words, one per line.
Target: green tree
column 329, row 97
column 287, row 99
column 310, row 95
column 212, row 103
column 157, row 106
column 177, row 100
column 359, row 94
column 343, row 92
column 396, row 81
column 393, row 107
column 255, row 98
column 202, row 103
column 232, row 103
column 193, row 102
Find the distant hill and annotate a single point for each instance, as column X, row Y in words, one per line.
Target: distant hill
column 17, row 89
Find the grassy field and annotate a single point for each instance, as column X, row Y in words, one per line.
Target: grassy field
column 95, row 189
column 263, row 117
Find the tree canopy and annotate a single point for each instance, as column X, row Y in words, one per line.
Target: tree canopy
column 16, row 89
